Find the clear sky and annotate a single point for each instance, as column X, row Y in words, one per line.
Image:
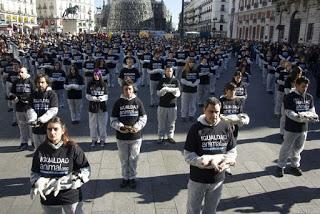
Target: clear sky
column 173, row 5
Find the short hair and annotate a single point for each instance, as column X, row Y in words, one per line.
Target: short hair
column 229, row 87
column 211, row 101
column 127, row 82
column 41, row 75
column 237, row 73
column 301, row 80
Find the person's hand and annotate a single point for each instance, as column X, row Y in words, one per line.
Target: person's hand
column 95, row 99
column 224, row 165
column 124, row 129
column 134, row 130
column 39, row 186
column 100, row 99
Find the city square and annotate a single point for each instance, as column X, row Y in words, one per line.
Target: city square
column 109, row 48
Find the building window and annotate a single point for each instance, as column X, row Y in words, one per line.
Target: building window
column 262, row 33
column 253, row 33
column 271, row 33
column 310, row 31
column 221, row 18
column 221, row 27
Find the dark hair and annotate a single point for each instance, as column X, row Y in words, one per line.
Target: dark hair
column 76, row 69
column 237, row 73
column 295, row 71
column 301, row 80
column 41, row 75
column 211, row 101
column 65, row 137
column 127, row 82
column 229, row 87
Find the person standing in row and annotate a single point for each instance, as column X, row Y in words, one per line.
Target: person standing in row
column 231, row 105
column 130, row 72
column 44, row 106
column 59, row 182
column 97, row 94
column 128, row 119
column 296, row 103
column 168, row 90
column 155, row 73
column 13, row 76
column 74, row 85
column 57, row 78
column 189, row 81
column 21, row 91
column 210, row 149
column 204, row 85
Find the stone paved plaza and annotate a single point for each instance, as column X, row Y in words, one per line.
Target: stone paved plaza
column 162, row 171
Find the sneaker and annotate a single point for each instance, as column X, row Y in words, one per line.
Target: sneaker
column 132, row 183
column 74, row 122
column 296, row 171
column 10, row 110
column 23, row 147
column 279, row 172
column 102, row 142
column 171, row 140
column 93, row 143
column 161, row 141
column 124, row 183
column 31, row 147
column 14, row 124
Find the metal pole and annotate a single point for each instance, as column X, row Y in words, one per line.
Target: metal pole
column 182, row 21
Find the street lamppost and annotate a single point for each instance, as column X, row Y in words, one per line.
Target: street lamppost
column 214, row 25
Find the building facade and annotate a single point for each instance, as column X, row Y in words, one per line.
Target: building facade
column 20, row 14
column 50, row 14
column 292, row 21
column 162, row 16
column 298, row 21
column 207, row 16
column 254, row 20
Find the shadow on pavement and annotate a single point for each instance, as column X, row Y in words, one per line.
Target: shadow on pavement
column 273, row 139
column 275, row 201
column 14, row 186
column 151, row 189
column 147, row 146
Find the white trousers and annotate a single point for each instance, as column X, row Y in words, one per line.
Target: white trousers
column 38, row 139
column 197, row 192
column 75, row 106
column 98, row 125
column 154, row 99
column 270, row 82
column 188, row 104
column 24, row 128
column 166, row 121
column 129, row 154
column 292, row 146
column 203, row 93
